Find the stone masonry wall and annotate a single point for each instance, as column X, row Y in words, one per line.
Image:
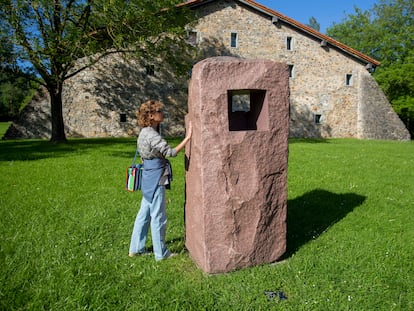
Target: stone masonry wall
column 97, row 97
column 376, row 118
column 96, row 100
column 318, row 83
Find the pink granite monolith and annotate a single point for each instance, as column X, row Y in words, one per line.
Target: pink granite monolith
column 236, row 163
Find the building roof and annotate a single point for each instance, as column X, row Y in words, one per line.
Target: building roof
column 276, row 16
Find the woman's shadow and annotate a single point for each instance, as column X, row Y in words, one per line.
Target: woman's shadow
column 311, row 214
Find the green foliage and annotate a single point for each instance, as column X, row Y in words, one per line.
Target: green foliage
column 15, row 92
column 66, row 223
column 405, row 109
column 50, row 36
column 3, row 128
column 397, row 79
column 386, row 32
column 313, row 23
column 6, row 47
column 356, row 31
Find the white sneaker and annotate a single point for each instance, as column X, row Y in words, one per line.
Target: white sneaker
column 138, row 254
column 168, row 256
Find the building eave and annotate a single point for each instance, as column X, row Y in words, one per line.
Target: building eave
column 295, row 24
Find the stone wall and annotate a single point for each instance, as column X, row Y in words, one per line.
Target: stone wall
column 318, row 84
column 377, row 119
column 34, row 120
column 101, row 101
column 322, row 103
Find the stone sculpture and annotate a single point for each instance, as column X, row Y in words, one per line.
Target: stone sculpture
column 236, row 165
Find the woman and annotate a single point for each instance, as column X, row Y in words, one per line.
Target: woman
column 156, row 176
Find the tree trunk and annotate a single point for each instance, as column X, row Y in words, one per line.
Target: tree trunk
column 58, row 127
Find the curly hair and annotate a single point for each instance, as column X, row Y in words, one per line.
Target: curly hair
column 143, row 112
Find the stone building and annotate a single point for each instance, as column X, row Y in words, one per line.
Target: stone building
column 332, row 92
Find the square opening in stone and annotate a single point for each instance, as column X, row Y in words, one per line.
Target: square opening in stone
column 247, row 110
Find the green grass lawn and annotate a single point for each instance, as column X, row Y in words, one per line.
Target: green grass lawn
column 66, row 222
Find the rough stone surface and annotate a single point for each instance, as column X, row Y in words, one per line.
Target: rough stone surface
column 34, row 120
column 374, row 111
column 236, row 192
column 95, row 99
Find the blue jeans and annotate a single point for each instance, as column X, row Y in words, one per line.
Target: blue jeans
column 155, row 214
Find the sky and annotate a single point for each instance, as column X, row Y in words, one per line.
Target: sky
column 326, row 12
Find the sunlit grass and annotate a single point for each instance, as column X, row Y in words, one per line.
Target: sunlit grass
column 66, row 222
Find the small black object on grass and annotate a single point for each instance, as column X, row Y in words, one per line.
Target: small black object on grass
column 277, row 294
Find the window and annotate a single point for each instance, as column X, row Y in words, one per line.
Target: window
column 247, row 110
column 289, row 43
column 150, row 70
column 122, row 117
column 233, row 40
column 192, row 37
column 348, row 80
column 317, row 118
column 290, row 71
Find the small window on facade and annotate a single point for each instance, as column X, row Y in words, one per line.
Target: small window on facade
column 318, row 118
column 192, row 37
column 233, row 40
column 348, row 80
column 150, row 70
column 289, row 43
column 122, row 117
column 290, row 71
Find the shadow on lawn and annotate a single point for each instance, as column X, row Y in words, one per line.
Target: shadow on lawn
column 313, row 213
column 308, row 216
column 28, row 150
column 309, row 140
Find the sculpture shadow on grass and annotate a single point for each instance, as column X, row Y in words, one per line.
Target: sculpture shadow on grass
column 308, row 216
column 313, row 213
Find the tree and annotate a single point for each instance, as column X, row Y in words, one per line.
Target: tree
column 313, row 23
column 6, row 49
column 386, row 32
column 15, row 88
column 15, row 92
column 50, row 36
